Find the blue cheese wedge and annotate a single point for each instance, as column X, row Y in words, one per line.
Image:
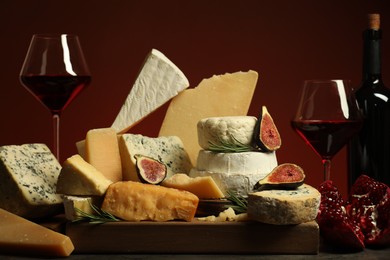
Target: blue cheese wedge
column 158, row 81
column 167, row 149
column 28, row 179
column 284, row 207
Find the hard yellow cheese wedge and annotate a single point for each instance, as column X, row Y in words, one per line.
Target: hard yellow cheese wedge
column 224, row 95
column 203, row 187
column 77, row 177
column 20, row 236
column 134, row 201
column 102, row 151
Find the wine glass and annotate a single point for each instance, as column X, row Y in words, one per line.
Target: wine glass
column 55, row 72
column 327, row 117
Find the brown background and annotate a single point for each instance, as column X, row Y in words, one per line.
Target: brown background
column 285, row 41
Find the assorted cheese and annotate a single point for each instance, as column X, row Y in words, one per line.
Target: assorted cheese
column 203, row 187
column 166, row 149
column 284, row 207
column 158, row 81
column 134, row 201
column 78, row 177
column 222, row 95
column 28, row 179
column 21, row 236
column 104, row 172
column 102, row 151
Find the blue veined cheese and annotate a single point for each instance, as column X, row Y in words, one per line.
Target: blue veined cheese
column 284, row 207
column 166, row 149
column 158, row 81
column 28, row 179
column 230, row 129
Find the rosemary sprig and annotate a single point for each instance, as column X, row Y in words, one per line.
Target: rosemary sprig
column 232, row 146
column 240, row 204
column 99, row 217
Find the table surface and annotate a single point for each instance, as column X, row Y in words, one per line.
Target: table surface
column 324, row 254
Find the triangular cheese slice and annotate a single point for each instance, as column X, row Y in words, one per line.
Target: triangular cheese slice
column 224, row 95
column 21, row 236
column 78, row 177
column 158, row 81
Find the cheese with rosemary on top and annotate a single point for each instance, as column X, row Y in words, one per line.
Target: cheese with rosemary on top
column 236, row 130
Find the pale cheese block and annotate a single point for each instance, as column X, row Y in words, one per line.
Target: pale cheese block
column 80, row 145
column 241, row 184
column 72, row 205
column 229, row 129
column 78, row 177
column 218, row 96
column 203, row 187
column 134, row 201
column 237, row 163
column 158, row 81
column 20, row 236
column 102, row 151
column 284, row 207
column 28, row 179
column 167, row 149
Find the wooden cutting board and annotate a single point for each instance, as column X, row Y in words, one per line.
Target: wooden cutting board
column 194, row 237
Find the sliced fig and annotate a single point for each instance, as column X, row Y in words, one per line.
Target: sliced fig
column 283, row 176
column 266, row 135
column 150, row 170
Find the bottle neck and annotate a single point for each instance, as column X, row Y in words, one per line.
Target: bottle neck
column 372, row 55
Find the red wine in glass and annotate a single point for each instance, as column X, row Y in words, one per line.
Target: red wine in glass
column 55, row 72
column 327, row 117
column 326, row 137
column 56, row 92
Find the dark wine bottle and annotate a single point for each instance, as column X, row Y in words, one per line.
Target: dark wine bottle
column 369, row 151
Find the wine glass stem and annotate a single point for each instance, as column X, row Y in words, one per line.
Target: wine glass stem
column 56, row 136
column 326, row 163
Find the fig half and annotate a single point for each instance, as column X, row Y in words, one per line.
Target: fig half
column 266, row 135
column 283, row 176
column 150, row 170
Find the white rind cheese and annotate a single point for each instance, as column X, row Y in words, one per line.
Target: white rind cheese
column 227, row 129
column 242, row 184
column 166, row 149
column 284, row 207
column 237, row 163
column 158, row 81
column 28, row 179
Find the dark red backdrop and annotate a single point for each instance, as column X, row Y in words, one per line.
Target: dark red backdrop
column 285, row 41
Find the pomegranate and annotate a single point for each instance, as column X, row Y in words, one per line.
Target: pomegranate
column 361, row 221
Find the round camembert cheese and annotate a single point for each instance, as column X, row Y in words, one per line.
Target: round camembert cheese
column 237, row 163
column 284, row 207
column 225, row 129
